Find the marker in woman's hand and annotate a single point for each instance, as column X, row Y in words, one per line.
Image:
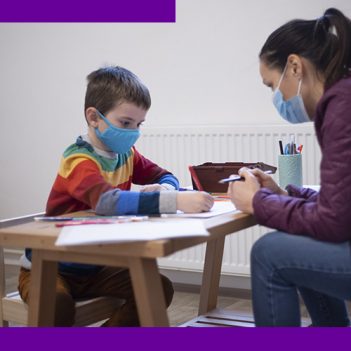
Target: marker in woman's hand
column 236, row 178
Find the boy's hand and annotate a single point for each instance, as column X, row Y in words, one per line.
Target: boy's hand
column 266, row 181
column 153, row 187
column 194, row 201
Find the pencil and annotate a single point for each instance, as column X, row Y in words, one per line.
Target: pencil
column 236, row 178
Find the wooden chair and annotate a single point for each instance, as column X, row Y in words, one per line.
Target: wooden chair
column 13, row 309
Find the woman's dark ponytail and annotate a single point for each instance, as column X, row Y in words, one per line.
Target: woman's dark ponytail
column 326, row 42
column 340, row 31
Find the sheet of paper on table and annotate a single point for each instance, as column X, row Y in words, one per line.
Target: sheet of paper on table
column 219, row 207
column 123, row 232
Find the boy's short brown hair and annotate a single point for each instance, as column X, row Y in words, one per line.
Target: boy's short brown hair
column 110, row 86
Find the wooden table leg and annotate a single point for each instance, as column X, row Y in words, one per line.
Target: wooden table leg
column 41, row 310
column 148, row 292
column 211, row 275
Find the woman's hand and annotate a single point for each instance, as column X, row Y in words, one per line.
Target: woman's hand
column 242, row 192
column 266, row 181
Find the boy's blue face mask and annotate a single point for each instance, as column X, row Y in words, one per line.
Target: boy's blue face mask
column 118, row 140
column 292, row 110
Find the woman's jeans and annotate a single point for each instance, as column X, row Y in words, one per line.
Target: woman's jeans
column 283, row 265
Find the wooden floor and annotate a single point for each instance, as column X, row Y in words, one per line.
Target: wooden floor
column 184, row 306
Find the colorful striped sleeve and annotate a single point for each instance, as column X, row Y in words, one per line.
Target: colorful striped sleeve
column 120, row 202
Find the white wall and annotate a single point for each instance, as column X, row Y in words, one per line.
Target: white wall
column 201, row 70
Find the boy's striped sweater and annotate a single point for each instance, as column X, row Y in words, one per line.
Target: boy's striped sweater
column 90, row 178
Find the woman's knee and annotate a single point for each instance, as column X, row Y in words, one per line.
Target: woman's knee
column 270, row 248
column 276, row 248
column 262, row 247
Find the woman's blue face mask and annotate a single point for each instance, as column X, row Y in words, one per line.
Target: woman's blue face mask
column 292, row 110
column 118, row 140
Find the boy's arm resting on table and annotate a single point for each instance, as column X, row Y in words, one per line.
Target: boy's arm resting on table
column 119, row 202
column 86, row 184
column 81, row 184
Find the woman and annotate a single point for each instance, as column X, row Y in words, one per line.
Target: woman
column 308, row 66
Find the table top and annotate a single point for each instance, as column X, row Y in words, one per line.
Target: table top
column 42, row 235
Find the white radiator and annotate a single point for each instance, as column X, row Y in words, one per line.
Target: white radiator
column 175, row 148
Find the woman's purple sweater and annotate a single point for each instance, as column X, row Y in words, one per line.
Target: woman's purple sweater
column 323, row 215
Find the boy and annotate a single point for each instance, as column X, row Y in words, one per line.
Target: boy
column 97, row 172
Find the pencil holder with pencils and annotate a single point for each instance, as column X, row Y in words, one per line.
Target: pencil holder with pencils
column 290, row 170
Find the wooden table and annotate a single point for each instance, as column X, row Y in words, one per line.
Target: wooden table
column 139, row 257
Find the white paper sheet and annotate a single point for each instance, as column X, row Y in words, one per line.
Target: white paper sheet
column 121, row 232
column 219, row 207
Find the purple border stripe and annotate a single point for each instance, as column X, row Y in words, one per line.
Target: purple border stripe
column 87, row 11
column 175, row 339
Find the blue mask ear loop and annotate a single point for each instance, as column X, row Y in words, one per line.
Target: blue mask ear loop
column 111, row 125
column 281, row 77
column 299, row 87
column 104, row 118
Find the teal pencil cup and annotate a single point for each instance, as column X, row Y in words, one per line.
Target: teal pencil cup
column 290, row 170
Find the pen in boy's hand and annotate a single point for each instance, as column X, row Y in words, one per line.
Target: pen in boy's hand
column 237, row 177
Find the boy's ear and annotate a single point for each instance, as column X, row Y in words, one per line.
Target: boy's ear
column 92, row 117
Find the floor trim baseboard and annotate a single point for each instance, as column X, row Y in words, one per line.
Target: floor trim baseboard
column 191, row 281
column 228, row 292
